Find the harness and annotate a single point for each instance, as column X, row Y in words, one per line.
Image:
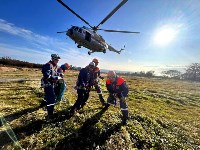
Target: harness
column 52, row 73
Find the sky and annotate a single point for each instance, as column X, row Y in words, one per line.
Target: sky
column 169, row 32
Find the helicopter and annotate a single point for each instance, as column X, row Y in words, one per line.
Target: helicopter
column 88, row 37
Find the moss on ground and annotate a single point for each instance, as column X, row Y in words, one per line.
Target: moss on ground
column 164, row 114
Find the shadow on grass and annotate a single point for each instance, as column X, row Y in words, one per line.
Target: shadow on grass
column 88, row 136
column 28, row 128
column 18, row 114
column 21, row 132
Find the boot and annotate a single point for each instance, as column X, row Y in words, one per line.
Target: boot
column 43, row 103
column 124, row 117
column 124, row 121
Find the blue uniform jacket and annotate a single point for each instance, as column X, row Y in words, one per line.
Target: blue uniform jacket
column 119, row 87
column 84, row 78
column 49, row 72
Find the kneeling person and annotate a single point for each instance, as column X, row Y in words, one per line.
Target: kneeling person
column 117, row 88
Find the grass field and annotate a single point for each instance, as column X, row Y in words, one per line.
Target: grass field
column 164, row 114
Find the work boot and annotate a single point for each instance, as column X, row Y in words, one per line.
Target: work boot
column 49, row 118
column 124, row 121
column 72, row 111
column 43, row 103
column 106, row 105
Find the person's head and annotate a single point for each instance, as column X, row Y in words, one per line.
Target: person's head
column 55, row 58
column 65, row 66
column 91, row 66
column 95, row 61
column 112, row 76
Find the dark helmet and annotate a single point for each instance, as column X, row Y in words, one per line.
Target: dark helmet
column 55, row 57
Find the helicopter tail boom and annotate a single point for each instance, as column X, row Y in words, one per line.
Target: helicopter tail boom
column 114, row 50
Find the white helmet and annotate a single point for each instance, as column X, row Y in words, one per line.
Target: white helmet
column 112, row 76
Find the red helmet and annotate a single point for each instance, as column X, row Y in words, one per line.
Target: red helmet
column 65, row 66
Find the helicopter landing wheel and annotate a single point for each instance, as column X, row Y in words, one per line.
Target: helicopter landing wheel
column 104, row 51
column 79, row 46
column 89, row 53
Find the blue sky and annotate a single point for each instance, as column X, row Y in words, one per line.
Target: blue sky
column 169, row 37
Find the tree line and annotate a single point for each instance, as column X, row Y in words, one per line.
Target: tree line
column 192, row 72
column 8, row 61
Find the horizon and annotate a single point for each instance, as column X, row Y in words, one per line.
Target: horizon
column 103, row 70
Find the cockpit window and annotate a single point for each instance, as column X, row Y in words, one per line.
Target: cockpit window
column 76, row 28
column 80, row 30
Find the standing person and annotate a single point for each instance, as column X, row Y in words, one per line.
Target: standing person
column 49, row 80
column 95, row 81
column 83, row 86
column 61, row 84
column 117, row 88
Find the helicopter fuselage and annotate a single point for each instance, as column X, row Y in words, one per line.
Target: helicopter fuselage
column 88, row 37
column 83, row 36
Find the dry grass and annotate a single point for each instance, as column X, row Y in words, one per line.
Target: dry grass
column 164, row 114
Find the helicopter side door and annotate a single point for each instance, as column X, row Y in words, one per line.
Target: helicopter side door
column 88, row 36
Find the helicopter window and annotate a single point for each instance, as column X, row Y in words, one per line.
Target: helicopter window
column 80, row 30
column 76, row 28
column 88, row 36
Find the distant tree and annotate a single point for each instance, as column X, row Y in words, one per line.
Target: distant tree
column 150, row 73
column 172, row 74
column 192, row 72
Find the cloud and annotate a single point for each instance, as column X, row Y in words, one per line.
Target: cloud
column 34, row 38
column 39, row 47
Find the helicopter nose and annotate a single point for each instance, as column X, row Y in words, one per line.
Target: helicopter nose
column 70, row 32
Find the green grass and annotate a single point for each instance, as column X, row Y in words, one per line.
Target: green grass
column 164, row 114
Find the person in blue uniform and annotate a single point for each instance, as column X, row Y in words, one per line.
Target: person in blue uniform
column 95, row 81
column 49, row 81
column 83, row 86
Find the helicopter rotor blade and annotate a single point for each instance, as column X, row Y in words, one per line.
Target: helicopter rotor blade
column 60, row 1
column 118, row 31
column 111, row 13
